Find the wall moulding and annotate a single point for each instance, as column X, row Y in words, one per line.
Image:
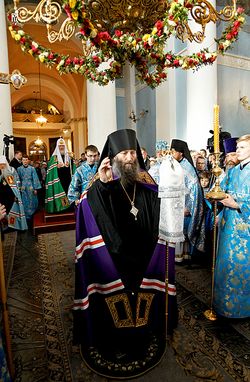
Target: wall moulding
column 28, row 117
column 233, row 61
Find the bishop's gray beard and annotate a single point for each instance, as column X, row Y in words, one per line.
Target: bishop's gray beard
column 127, row 172
column 6, row 172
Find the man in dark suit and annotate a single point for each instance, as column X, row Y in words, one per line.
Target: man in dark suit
column 17, row 160
column 145, row 158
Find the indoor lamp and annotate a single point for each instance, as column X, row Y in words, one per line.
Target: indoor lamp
column 41, row 120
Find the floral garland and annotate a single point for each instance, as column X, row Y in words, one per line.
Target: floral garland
column 145, row 52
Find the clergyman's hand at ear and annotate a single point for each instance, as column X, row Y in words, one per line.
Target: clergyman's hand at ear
column 104, row 171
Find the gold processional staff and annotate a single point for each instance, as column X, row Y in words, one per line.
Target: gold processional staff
column 215, row 195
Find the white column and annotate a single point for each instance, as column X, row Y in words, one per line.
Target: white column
column 166, row 104
column 130, row 98
column 5, row 100
column 101, row 108
column 79, row 128
column 201, row 94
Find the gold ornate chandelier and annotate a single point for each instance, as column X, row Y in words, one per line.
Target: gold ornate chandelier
column 116, row 31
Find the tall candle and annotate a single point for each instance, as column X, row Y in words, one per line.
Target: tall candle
column 216, row 129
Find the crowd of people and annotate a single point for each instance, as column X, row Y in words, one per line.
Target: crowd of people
column 121, row 268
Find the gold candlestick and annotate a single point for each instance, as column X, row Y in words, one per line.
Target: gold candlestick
column 210, row 313
column 216, row 129
column 215, row 194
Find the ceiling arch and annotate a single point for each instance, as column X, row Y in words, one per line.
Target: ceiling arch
column 65, row 91
column 54, row 92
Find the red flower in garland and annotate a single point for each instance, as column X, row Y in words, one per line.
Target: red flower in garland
column 67, row 10
column 159, row 25
column 236, row 24
column 153, row 55
column 118, row 33
column 189, row 5
column 240, row 10
column 162, row 75
column 105, row 36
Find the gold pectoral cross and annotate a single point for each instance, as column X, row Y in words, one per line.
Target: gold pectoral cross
column 134, row 210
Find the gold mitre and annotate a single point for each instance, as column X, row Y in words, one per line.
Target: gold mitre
column 61, row 141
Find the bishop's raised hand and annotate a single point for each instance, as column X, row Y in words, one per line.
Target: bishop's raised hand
column 104, row 170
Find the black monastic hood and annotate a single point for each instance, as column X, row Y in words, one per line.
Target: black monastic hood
column 121, row 140
column 182, row 147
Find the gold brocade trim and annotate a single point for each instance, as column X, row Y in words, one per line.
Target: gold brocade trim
column 144, row 177
column 111, row 302
column 95, row 177
column 10, row 179
column 148, row 297
column 128, row 322
column 65, row 202
column 242, row 226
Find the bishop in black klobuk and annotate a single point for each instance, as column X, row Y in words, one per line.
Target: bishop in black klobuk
column 119, row 310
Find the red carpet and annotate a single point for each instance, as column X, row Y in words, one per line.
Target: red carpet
column 45, row 223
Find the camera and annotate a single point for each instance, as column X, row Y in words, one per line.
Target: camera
column 210, row 142
column 8, row 139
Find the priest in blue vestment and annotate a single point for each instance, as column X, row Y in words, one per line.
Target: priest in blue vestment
column 194, row 220
column 83, row 174
column 232, row 270
column 10, row 196
column 29, row 186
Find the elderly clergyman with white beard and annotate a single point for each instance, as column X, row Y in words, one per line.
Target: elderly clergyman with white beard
column 119, row 309
column 59, row 173
column 10, row 196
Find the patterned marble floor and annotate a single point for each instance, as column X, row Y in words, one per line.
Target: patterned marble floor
column 40, row 297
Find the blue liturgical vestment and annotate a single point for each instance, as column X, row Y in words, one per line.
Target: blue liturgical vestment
column 29, row 183
column 232, row 270
column 81, row 178
column 194, row 225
